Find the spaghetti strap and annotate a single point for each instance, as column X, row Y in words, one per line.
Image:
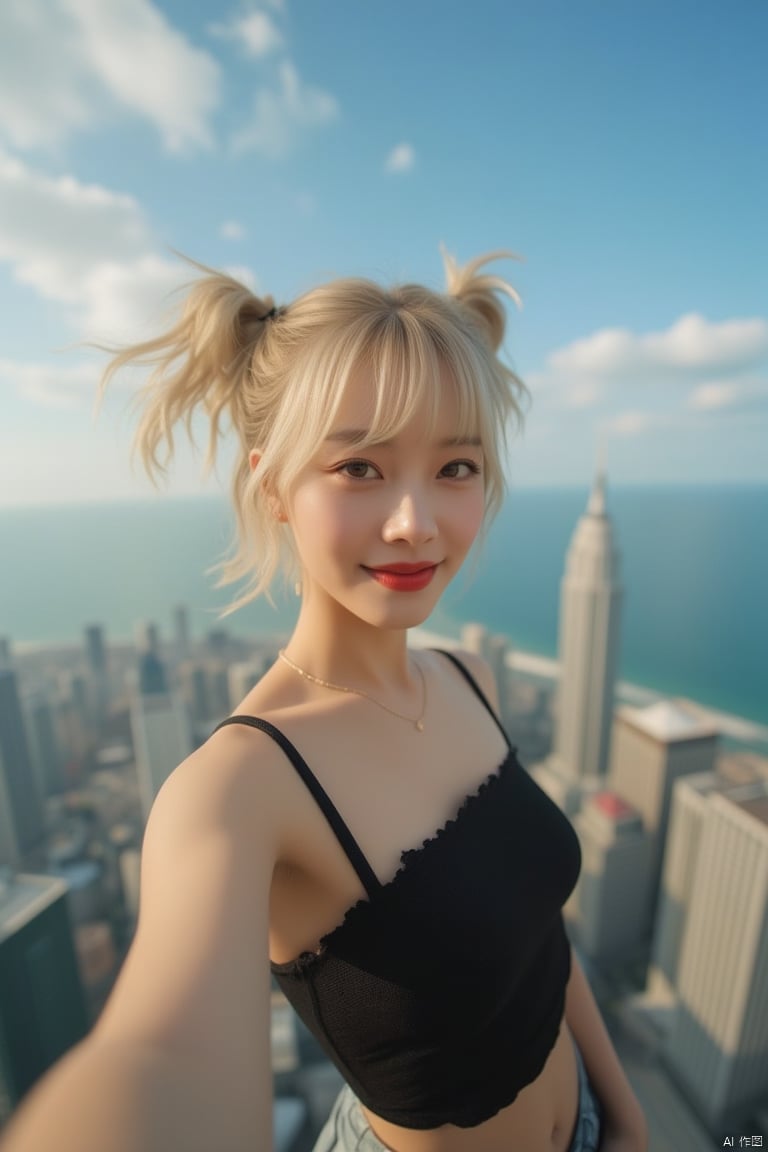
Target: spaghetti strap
column 352, row 849
column 476, row 688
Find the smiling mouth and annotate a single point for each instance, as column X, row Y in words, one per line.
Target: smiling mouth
column 403, row 577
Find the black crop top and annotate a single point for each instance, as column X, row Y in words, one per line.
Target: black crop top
column 441, row 994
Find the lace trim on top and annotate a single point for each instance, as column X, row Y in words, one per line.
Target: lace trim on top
column 410, row 860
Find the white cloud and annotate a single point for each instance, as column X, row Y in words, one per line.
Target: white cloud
column 689, row 348
column 643, row 390
column 67, row 65
column 256, row 32
column 730, row 395
column 231, row 230
column 281, row 114
column 401, row 159
column 53, row 229
column 89, row 248
column 693, row 344
column 128, row 301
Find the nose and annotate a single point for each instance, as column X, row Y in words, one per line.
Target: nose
column 411, row 519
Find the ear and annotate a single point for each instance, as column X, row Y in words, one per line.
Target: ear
column 275, row 506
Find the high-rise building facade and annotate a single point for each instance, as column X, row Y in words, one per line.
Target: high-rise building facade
column 44, row 745
column 678, row 876
column 612, row 893
column 43, row 1011
column 20, row 784
column 181, row 635
column 654, row 747
column 718, row 1043
column 589, row 626
column 590, row 611
column 98, row 687
column 162, row 738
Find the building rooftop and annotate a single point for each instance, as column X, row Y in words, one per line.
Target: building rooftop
column 757, row 806
column 22, row 897
column 742, row 767
column 669, row 720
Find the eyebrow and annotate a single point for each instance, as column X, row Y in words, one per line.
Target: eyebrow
column 360, row 435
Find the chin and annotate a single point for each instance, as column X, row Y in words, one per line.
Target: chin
column 396, row 621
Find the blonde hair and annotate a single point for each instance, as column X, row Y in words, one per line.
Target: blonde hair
column 279, row 375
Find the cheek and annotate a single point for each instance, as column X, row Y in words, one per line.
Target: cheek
column 469, row 521
column 320, row 523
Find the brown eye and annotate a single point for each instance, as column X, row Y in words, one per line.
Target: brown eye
column 356, row 469
column 453, row 473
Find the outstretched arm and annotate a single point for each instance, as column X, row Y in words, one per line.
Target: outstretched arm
column 180, row 1058
column 624, row 1125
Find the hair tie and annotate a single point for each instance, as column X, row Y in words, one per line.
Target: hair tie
column 269, row 315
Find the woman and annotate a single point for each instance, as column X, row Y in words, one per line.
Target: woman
column 361, row 822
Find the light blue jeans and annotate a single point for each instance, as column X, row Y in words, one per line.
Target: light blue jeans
column 347, row 1130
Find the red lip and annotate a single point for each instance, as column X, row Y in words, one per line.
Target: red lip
column 403, row 577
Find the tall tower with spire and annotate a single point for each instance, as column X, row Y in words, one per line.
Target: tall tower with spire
column 590, row 609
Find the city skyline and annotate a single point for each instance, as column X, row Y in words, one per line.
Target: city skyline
column 620, row 153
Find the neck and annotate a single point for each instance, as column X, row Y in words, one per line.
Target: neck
column 337, row 646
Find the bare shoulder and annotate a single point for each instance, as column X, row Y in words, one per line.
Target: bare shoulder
column 230, row 784
column 482, row 672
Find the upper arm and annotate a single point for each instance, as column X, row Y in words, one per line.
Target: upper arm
column 196, row 981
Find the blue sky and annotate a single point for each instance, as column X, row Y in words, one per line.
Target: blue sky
column 621, row 149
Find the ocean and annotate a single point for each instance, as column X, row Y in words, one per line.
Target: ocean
column 694, row 565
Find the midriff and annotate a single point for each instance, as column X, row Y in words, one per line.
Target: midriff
column 541, row 1119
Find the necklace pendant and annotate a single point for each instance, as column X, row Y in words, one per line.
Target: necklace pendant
column 419, row 725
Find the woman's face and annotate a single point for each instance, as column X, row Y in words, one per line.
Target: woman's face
column 381, row 531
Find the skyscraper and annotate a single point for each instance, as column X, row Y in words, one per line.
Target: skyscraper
column 687, row 811
column 96, row 650
column 614, row 884
column 42, row 1006
column 590, row 609
column 162, row 738
column 590, row 605
column 718, row 1044
column 147, row 637
column 652, row 748
column 152, row 676
column 99, row 690
column 181, row 631
column 21, row 788
column 44, row 742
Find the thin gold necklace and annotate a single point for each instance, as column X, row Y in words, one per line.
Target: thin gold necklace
column 418, row 723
